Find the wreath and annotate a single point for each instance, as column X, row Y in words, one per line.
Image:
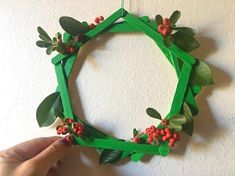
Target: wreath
column 175, row 42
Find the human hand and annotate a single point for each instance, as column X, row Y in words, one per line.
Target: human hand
column 37, row 157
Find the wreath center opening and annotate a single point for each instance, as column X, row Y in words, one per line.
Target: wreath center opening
column 116, row 78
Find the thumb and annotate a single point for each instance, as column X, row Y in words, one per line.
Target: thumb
column 52, row 153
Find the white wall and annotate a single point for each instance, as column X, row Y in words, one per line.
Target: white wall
column 120, row 77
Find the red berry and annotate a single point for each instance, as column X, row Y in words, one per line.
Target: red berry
column 166, row 21
column 147, row 130
column 149, row 134
column 97, row 20
column 79, row 132
column 163, row 132
column 152, row 128
column 164, row 122
column 172, row 140
column 150, row 140
column 155, row 135
column 168, row 135
column 65, row 130
column 171, row 145
column 92, row 25
column 101, row 18
column 176, row 136
column 69, row 138
column 168, row 130
column 158, row 131
column 161, row 27
column 164, row 138
column 72, row 49
column 165, row 32
column 136, row 139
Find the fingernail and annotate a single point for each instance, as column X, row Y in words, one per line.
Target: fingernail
column 67, row 140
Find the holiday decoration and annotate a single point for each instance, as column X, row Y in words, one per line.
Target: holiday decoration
column 175, row 42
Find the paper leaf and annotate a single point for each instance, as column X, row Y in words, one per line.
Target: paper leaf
column 164, row 149
column 185, row 30
column 137, row 157
column 109, row 156
column 185, row 42
column 153, row 113
column 135, row 132
column 49, row 109
column 72, row 26
column 176, row 121
column 49, row 49
column 42, row 44
column 159, row 19
column 42, row 32
column 201, row 75
column 175, row 17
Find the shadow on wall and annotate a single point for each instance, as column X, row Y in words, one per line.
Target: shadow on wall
column 206, row 128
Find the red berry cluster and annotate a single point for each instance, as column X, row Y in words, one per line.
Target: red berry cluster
column 156, row 135
column 70, row 126
column 97, row 20
column 65, row 48
column 165, row 28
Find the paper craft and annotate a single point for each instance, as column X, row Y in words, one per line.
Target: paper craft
column 175, row 42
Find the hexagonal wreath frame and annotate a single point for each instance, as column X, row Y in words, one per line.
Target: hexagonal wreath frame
column 181, row 61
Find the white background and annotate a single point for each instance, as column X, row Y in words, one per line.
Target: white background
column 116, row 78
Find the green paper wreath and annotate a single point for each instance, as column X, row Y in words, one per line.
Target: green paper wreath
column 174, row 42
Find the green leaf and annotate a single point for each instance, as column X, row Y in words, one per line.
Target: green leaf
column 49, row 109
column 137, row 157
column 187, row 111
column 135, row 132
column 42, row 44
column 72, row 26
column 44, row 39
column 176, row 121
column 164, row 149
column 185, row 42
column 86, row 26
column 175, row 17
column 42, row 32
column 159, row 19
column 188, row 127
column 201, row 75
column 185, row 30
column 49, row 49
column 167, row 41
column 109, row 156
column 153, row 113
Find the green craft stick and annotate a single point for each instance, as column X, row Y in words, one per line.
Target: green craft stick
column 68, row 67
column 63, row 91
column 155, row 36
column 126, row 27
column 120, row 145
column 188, row 95
column 180, row 90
